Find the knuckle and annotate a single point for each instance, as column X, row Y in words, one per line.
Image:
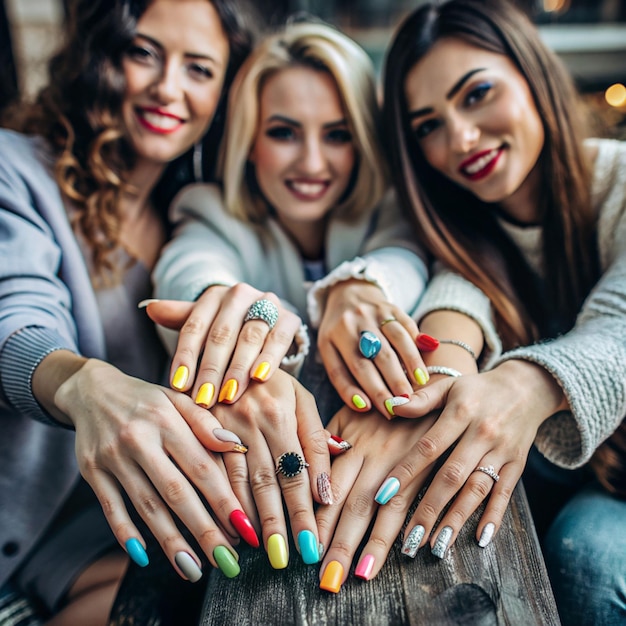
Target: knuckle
column 220, row 335
column 170, row 543
column 238, row 475
column 299, row 514
column 262, row 479
column 428, row 511
column 174, row 492
column 427, row 447
column 209, row 537
column 452, row 473
column 148, row 505
column 193, row 327
column 488, row 430
column 405, row 471
column 380, row 542
column 361, row 505
column 200, row 469
column 343, row 548
column 479, row 488
column 253, row 334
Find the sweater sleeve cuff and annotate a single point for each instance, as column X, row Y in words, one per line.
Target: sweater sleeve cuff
column 20, row 356
column 293, row 363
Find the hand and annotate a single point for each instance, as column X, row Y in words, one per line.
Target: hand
column 493, row 418
column 280, row 417
column 354, row 306
column 229, row 350
column 131, row 434
column 378, row 444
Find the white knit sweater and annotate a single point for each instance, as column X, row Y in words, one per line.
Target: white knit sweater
column 589, row 361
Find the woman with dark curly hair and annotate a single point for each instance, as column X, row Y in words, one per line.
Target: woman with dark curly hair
column 84, row 189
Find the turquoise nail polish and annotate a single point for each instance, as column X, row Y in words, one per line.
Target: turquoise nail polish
column 137, row 552
column 309, row 549
column 387, row 490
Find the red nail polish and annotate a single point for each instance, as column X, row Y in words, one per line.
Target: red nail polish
column 244, row 527
column 337, row 445
column 405, row 395
column 426, row 342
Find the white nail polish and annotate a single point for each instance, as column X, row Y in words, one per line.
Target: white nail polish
column 144, row 303
column 188, row 566
column 226, row 435
column 412, row 542
column 486, row 535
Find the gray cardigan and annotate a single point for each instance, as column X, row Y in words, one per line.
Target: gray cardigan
column 46, row 303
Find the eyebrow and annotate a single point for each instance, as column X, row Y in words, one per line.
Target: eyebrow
column 287, row 120
column 191, row 55
column 455, row 89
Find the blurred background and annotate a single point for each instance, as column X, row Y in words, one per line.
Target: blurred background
column 589, row 35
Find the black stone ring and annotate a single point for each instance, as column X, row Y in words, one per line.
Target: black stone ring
column 290, row 464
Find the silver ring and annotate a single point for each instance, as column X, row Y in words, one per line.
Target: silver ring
column 490, row 470
column 369, row 344
column 263, row 310
column 290, row 464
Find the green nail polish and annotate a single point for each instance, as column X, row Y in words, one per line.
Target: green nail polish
column 226, row 562
column 358, row 402
column 421, row 376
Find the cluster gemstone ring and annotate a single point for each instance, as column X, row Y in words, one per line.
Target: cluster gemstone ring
column 263, row 310
column 290, row 464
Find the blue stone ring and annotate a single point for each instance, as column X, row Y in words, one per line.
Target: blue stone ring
column 369, row 344
column 264, row 310
column 290, row 464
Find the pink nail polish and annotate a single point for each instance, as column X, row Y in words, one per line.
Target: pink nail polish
column 364, row 568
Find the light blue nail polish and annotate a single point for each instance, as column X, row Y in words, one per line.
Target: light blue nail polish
column 441, row 544
column 137, row 552
column 309, row 549
column 387, row 490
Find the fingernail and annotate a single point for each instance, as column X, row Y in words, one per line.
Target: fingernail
column 229, row 391
column 337, row 445
column 332, row 577
column 309, row 548
column 426, row 342
column 364, row 568
column 244, row 527
column 277, row 551
column 320, row 548
column 358, row 402
column 441, row 545
column 144, row 303
column 261, row 372
column 229, row 437
column 387, row 490
column 395, row 401
column 137, row 552
column 205, row 395
column 421, row 377
column 412, row 542
column 188, row 566
column 486, row 535
column 226, row 562
column 324, row 488
column 181, row 375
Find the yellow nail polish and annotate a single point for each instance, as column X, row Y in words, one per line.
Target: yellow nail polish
column 389, row 406
column 421, row 376
column 358, row 402
column 261, row 372
column 229, row 391
column 181, row 376
column 277, row 551
column 205, row 395
column 333, row 575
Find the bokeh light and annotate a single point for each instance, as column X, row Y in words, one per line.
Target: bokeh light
column 615, row 95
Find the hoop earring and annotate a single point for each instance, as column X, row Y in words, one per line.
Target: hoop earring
column 197, row 162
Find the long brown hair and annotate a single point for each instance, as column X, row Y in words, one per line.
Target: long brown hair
column 78, row 113
column 462, row 231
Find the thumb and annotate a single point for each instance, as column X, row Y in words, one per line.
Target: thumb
column 169, row 313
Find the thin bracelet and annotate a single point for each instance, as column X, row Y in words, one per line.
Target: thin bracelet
column 461, row 344
column 442, row 369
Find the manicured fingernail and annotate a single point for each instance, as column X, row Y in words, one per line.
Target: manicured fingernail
column 387, row 490
column 261, row 372
column 364, row 568
column 229, row 437
column 181, row 375
column 324, row 488
column 426, row 343
column 421, row 377
column 244, row 527
column 337, row 445
column 358, row 402
column 412, row 542
column 277, row 551
column 226, row 562
column 309, row 548
column 137, row 552
column 443, row 539
column 320, row 548
column 229, row 391
column 188, row 566
column 205, row 394
column 395, row 401
column 332, row 577
column 144, row 303
column 486, row 535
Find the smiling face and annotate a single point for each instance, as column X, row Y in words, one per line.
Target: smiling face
column 174, row 73
column 303, row 152
column 475, row 119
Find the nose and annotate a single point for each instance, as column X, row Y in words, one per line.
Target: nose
column 464, row 133
column 168, row 84
column 313, row 159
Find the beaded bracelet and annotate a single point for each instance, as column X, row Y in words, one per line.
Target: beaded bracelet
column 442, row 369
column 461, row 344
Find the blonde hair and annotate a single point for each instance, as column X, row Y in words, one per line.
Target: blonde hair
column 321, row 47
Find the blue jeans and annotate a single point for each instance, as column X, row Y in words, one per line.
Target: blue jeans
column 585, row 552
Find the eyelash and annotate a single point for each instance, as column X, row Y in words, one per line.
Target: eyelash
column 285, row 133
column 146, row 55
column 478, row 93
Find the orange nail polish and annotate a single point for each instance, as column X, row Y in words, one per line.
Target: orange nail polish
column 261, row 372
column 229, row 391
column 333, row 575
